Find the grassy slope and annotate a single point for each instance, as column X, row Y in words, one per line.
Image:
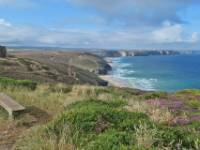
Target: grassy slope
column 45, row 71
column 87, row 117
column 85, row 61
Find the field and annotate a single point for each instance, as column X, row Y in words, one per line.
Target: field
column 64, row 117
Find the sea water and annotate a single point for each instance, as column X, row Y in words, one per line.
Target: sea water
column 159, row 73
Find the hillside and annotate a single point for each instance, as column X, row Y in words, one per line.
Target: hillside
column 53, row 67
column 61, row 114
column 88, row 117
column 84, row 60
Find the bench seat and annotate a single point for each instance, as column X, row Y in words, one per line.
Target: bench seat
column 10, row 105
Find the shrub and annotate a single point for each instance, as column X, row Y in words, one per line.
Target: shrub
column 5, row 82
column 155, row 95
column 194, row 103
column 189, row 91
column 111, row 140
column 97, row 122
column 175, row 138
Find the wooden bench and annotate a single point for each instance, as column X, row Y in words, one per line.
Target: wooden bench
column 10, row 105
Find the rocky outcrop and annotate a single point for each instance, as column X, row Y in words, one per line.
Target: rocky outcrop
column 104, row 70
column 3, row 52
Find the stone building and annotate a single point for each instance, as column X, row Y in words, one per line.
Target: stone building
column 3, row 52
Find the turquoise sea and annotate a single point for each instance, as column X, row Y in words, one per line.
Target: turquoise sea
column 159, row 73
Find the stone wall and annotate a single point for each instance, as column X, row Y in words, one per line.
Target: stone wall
column 3, row 52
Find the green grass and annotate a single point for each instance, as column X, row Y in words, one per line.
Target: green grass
column 155, row 95
column 3, row 114
column 102, row 125
column 5, row 82
column 96, row 118
column 190, row 91
column 195, row 103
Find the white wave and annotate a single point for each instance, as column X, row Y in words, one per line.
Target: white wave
column 121, row 71
column 140, row 83
column 124, row 65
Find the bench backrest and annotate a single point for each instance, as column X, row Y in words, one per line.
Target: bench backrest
column 9, row 104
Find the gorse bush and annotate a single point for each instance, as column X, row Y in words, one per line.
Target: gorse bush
column 5, row 82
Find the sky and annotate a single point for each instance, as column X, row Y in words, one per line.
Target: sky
column 109, row 24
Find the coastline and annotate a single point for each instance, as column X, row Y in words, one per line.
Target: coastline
column 112, row 81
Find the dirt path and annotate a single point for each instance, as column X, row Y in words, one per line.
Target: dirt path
column 13, row 130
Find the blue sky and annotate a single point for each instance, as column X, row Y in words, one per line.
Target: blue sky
column 127, row 24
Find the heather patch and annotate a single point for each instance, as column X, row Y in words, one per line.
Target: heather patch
column 172, row 105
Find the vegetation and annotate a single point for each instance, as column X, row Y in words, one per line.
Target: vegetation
column 89, row 117
column 72, row 116
column 190, row 91
column 5, row 82
column 51, row 68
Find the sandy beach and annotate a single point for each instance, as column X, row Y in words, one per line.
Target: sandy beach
column 112, row 81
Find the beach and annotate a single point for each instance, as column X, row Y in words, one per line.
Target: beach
column 113, row 81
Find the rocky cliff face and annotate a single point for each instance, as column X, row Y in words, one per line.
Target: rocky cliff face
column 3, row 51
column 126, row 53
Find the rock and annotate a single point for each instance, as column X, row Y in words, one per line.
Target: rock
column 104, row 70
column 103, row 83
column 3, row 52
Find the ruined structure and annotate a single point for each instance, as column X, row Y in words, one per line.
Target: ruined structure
column 3, row 51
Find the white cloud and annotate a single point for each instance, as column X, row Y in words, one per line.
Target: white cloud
column 88, row 38
column 139, row 12
column 194, row 37
column 168, row 33
column 4, row 23
column 173, row 33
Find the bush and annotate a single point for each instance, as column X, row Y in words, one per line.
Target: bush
column 5, row 82
column 111, row 140
column 190, row 91
column 175, row 138
column 155, row 95
column 98, row 121
column 101, row 125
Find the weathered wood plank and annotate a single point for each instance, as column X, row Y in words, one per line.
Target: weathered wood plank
column 10, row 105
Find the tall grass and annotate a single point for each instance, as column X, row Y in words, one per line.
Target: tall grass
column 100, row 125
column 90, row 117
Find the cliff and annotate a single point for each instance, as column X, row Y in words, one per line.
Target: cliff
column 126, row 53
column 53, row 67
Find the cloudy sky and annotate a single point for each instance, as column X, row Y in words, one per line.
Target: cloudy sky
column 130, row 24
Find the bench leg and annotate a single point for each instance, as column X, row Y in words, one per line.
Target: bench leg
column 11, row 117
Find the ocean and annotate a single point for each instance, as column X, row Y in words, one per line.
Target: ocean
column 159, row 73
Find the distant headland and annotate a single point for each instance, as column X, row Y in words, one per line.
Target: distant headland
column 127, row 53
